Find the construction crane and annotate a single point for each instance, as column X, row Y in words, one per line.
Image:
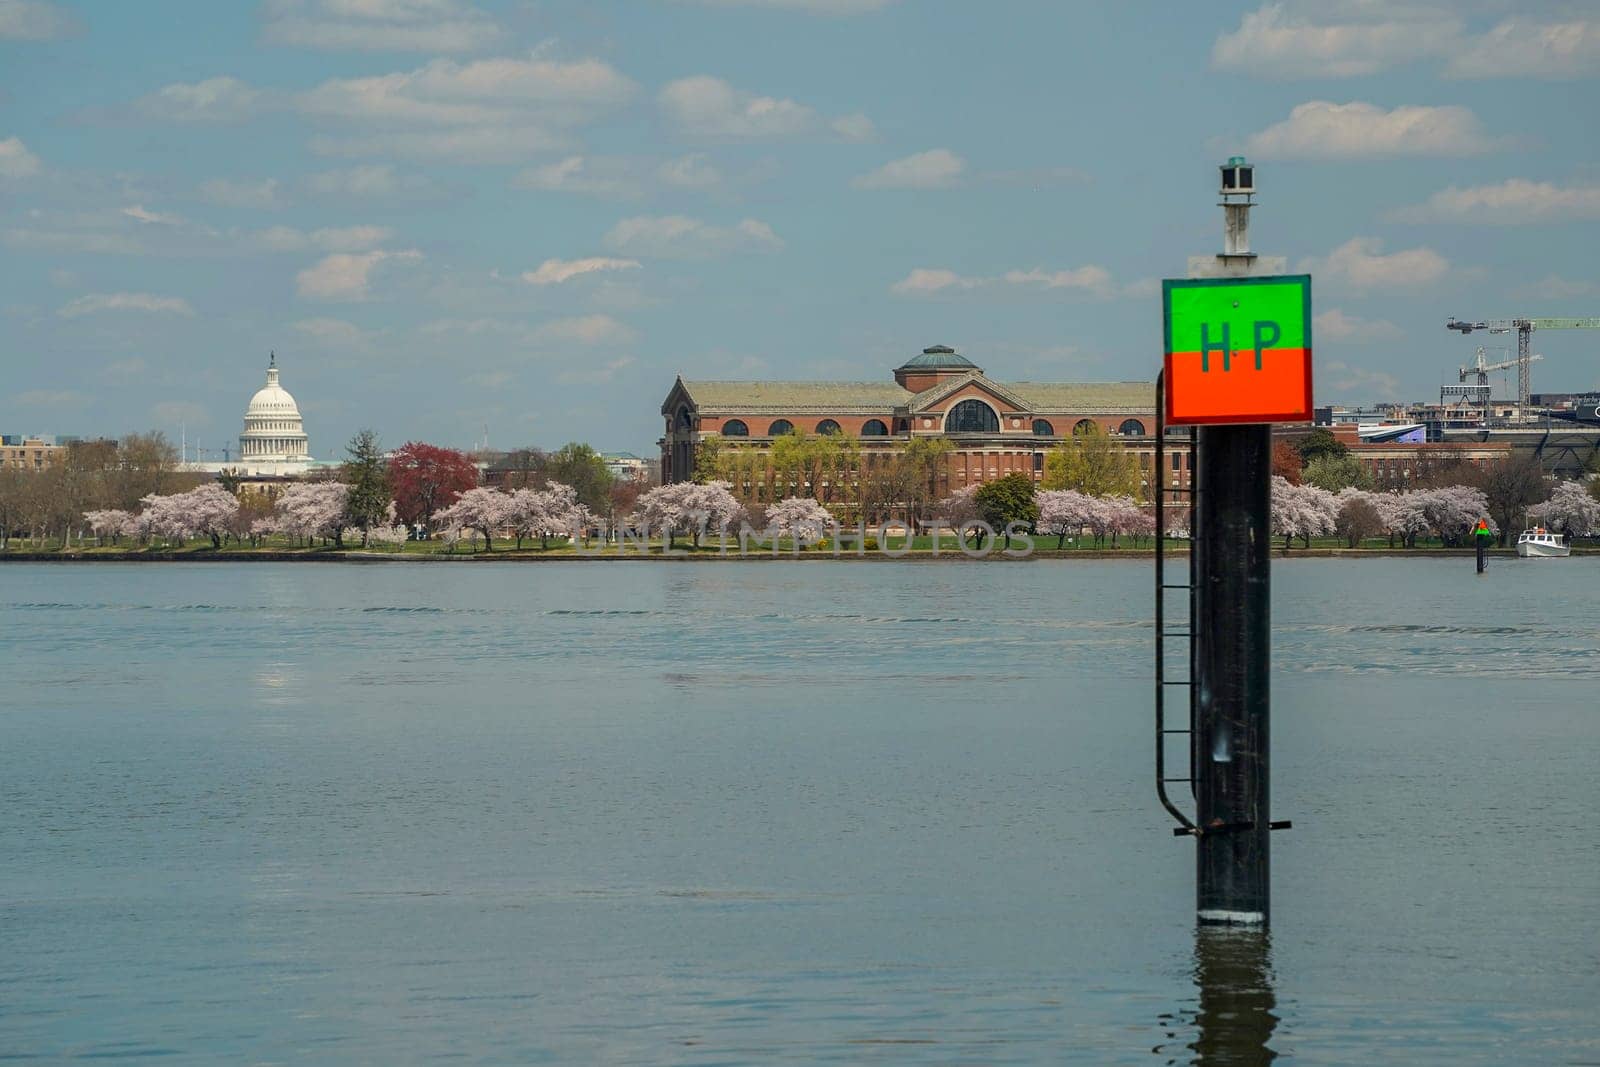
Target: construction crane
column 1524, row 328
column 1478, row 395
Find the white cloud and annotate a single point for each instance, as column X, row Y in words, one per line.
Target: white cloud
column 854, row 127
column 588, row 330
column 488, row 110
column 692, row 171
column 1320, row 129
column 227, row 192
column 95, row 303
column 1278, row 41
column 595, row 374
column 15, row 159
column 810, row 7
column 345, row 276
column 379, row 25
column 34, row 20
column 710, row 107
column 681, row 237
column 937, row 168
column 1338, row 325
column 370, row 181
column 1519, row 48
column 152, row 218
column 1090, row 279
column 1360, row 263
column 334, row 333
column 1514, row 202
column 578, row 174
column 923, row 280
column 1335, row 375
column 556, row 271
column 1358, row 38
column 476, row 144
column 1555, row 287
column 221, row 99
column 52, row 398
column 328, row 239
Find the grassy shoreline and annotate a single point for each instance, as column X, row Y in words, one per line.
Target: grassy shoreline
column 684, row 555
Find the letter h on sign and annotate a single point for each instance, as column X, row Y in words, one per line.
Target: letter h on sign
column 1207, row 346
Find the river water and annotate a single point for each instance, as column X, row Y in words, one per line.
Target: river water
column 651, row 813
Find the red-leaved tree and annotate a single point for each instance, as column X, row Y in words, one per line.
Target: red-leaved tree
column 426, row 478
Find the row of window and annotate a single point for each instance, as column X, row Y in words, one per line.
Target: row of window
column 969, row 416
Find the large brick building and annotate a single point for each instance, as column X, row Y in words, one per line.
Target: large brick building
column 996, row 428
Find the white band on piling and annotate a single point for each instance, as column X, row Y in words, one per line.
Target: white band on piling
column 1223, row 915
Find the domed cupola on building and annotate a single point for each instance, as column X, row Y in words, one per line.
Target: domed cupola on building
column 937, row 363
column 273, row 431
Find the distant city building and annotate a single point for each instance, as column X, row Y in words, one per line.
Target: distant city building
column 627, row 467
column 996, row 428
column 30, row 451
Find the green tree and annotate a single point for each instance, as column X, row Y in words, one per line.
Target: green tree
column 367, row 473
column 1007, row 500
column 1334, row 473
column 708, row 460
column 1321, row 442
column 581, row 467
column 1092, row 463
column 823, row 466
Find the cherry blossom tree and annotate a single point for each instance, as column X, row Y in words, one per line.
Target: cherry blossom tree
column 959, row 510
column 391, row 531
column 1064, row 512
column 176, row 517
column 1452, row 510
column 524, row 513
column 110, row 522
column 689, row 507
column 1570, row 509
column 307, row 511
column 560, row 514
column 1303, row 511
column 801, row 518
column 481, row 509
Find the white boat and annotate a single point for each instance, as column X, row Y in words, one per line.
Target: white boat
column 1540, row 542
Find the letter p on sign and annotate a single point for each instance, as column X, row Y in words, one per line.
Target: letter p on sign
column 1238, row 349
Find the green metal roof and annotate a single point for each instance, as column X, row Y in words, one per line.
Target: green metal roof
column 844, row 398
column 940, row 357
column 1108, row 397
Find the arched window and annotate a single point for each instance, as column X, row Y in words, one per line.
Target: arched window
column 972, row 416
column 1042, row 428
column 735, row 428
column 874, row 428
column 828, row 426
column 1083, row 426
column 1131, row 428
column 684, row 422
column 780, row 427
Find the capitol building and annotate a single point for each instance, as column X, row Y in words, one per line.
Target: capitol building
column 274, row 444
column 273, row 430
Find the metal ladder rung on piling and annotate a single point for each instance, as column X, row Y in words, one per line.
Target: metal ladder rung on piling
column 1186, row 825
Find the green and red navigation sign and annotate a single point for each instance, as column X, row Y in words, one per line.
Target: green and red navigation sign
column 1238, row 349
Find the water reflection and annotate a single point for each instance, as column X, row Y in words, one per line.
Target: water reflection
column 1234, row 1021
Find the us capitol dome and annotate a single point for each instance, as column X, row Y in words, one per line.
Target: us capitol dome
column 273, row 430
column 273, row 447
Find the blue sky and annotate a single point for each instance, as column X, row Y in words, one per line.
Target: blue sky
column 526, row 218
